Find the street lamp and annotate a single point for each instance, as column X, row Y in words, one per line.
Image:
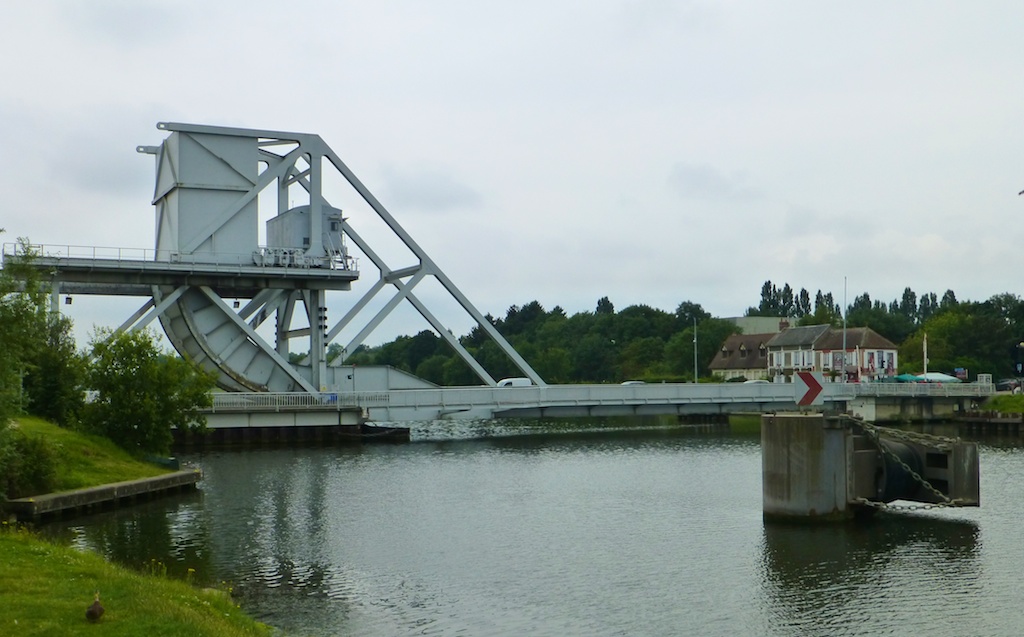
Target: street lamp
column 695, row 350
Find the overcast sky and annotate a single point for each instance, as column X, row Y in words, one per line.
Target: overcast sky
column 649, row 151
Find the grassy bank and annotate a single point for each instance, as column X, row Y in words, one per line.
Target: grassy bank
column 1005, row 403
column 46, row 588
column 83, row 460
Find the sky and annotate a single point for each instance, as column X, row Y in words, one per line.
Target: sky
column 650, row 151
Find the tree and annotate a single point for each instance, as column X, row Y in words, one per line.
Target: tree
column 711, row 333
column 432, row 369
column 641, row 321
column 771, row 303
column 908, row 305
column 973, row 336
column 927, row 308
column 554, row 364
column 803, row 303
column 687, row 312
column 604, row 306
column 22, row 321
column 594, row 359
column 787, row 307
column 640, row 355
column 16, row 310
column 56, row 373
column 948, row 301
column 142, row 393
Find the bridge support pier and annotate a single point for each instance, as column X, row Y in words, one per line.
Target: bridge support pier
column 825, row 469
column 803, row 467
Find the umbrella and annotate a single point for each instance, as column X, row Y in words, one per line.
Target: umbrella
column 938, row 377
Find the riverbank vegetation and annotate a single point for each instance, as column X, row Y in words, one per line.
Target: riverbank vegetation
column 72, row 460
column 1005, row 403
column 48, row 587
column 137, row 393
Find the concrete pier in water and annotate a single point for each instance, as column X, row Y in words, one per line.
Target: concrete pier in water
column 825, row 469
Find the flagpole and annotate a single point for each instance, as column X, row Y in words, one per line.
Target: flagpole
column 926, row 355
column 844, row 329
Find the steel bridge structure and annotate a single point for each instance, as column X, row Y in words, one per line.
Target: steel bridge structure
column 213, row 285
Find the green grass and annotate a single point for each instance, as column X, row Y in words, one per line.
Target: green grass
column 1005, row 403
column 45, row 589
column 84, row 460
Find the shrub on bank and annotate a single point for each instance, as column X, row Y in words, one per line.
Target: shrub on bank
column 31, row 466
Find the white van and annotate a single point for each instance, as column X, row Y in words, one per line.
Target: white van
column 515, row 382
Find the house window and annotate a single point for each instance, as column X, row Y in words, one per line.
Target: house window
column 743, row 351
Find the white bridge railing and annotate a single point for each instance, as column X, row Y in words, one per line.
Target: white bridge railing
column 262, row 257
column 275, row 401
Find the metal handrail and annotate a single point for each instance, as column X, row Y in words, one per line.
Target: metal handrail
column 295, row 401
column 151, row 255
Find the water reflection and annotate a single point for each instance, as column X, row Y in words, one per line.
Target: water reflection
column 164, row 536
column 891, row 569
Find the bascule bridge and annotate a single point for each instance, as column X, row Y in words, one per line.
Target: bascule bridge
column 213, row 286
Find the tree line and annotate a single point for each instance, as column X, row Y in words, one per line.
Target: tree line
column 644, row 343
column 636, row 343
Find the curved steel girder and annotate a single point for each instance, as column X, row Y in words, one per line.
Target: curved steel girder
column 202, row 326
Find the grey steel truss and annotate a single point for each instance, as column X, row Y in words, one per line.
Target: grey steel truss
column 208, row 185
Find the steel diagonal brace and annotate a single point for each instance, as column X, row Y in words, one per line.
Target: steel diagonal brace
column 257, row 339
column 371, row 293
column 213, row 153
column 454, row 342
column 265, row 301
column 403, row 291
column 157, row 310
column 355, row 310
column 427, row 263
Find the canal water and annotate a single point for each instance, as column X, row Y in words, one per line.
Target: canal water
column 567, row 529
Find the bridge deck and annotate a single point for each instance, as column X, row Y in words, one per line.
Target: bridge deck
column 581, row 400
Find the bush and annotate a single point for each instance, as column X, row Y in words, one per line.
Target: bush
column 143, row 394
column 31, row 466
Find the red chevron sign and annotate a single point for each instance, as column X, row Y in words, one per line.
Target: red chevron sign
column 808, row 389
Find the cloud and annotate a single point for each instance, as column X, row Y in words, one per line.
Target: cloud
column 124, row 23
column 426, row 188
column 702, row 181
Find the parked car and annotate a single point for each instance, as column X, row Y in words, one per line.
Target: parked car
column 1007, row 384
